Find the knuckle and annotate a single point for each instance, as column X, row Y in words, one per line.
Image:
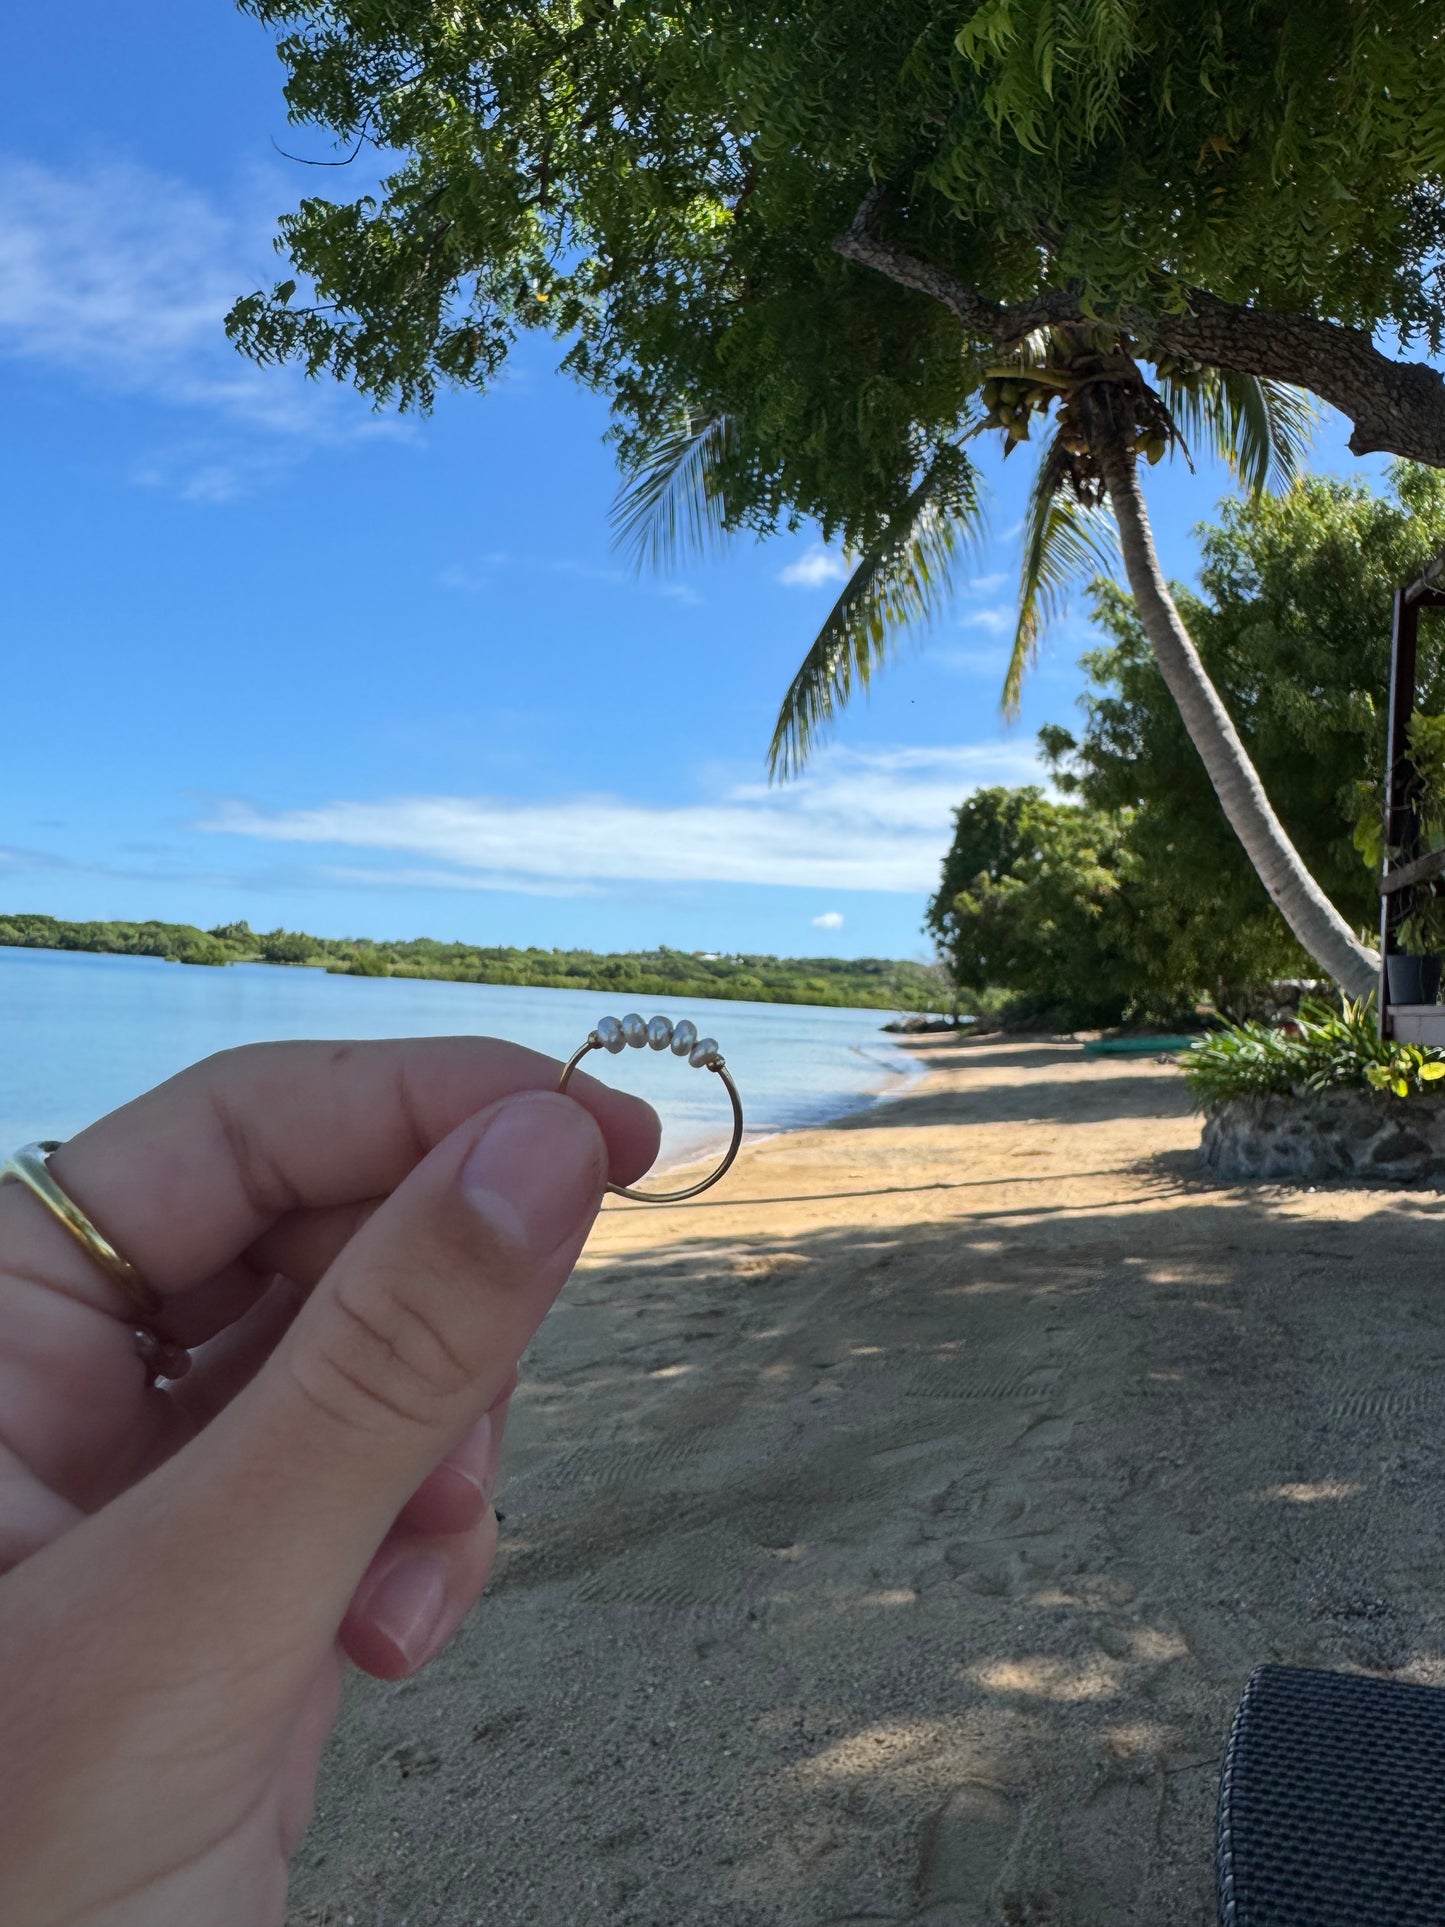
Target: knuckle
column 383, row 1357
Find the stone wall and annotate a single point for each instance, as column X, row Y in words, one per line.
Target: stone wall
column 1362, row 1137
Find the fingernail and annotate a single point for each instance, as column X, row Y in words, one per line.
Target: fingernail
column 537, row 1170
column 406, row 1605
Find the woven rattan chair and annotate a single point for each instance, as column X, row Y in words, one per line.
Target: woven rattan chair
column 1332, row 1803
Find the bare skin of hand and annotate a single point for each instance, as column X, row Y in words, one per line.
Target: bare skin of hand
column 357, row 1242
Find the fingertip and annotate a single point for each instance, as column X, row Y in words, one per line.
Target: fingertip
column 633, row 1132
column 455, row 1495
column 414, row 1597
column 448, row 1500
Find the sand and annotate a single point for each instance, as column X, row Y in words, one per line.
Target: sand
column 889, row 1534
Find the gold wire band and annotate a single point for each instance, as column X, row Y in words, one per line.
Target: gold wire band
column 161, row 1356
column 30, row 1166
column 672, row 1197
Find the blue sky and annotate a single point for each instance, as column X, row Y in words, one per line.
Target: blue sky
column 270, row 655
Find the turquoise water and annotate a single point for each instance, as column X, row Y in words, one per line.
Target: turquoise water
column 80, row 1034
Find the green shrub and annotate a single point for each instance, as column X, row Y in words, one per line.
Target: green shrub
column 288, row 947
column 1326, row 1049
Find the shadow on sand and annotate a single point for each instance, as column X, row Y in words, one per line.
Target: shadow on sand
column 911, row 1575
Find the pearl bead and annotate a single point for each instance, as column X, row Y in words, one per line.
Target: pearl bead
column 609, row 1035
column 634, row 1030
column 659, row 1033
column 702, row 1050
column 684, row 1036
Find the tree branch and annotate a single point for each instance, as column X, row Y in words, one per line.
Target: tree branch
column 985, row 320
column 1397, row 407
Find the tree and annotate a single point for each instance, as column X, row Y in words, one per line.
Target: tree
column 675, row 190
column 1292, row 621
column 288, row 947
column 1063, row 906
column 1030, row 902
column 1139, row 892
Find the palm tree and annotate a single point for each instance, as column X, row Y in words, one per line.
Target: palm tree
column 1100, row 415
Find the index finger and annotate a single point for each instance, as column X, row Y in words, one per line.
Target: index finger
column 185, row 1178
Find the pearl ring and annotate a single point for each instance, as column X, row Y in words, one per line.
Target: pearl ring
column 616, row 1033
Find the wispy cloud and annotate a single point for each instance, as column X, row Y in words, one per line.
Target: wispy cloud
column 971, row 662
column 859, row 820
column 830, row 920
column 480, row 578
column 21, row 862
column 120, row 276
column 995, row 620
column 474, row 581
column 418, row 877
column 815, row 567
column 986, row 584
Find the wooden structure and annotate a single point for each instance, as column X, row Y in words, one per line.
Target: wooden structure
column 1412, row 870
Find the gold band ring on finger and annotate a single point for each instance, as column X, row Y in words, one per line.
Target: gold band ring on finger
column 616, row 1033
column 30, row 1166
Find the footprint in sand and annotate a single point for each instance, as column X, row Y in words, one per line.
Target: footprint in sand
column 964, row 1854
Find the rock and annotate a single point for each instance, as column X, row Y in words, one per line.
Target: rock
column 1361, row 1137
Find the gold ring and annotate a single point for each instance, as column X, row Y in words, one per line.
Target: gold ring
column 616, row 1033
column 30, row 1166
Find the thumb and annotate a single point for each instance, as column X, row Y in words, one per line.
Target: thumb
column 177, row 1627
column 411, row 1335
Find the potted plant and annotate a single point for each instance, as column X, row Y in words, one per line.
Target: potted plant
column 1414, row 969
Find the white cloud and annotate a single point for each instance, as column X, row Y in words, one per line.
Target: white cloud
column 986, row 584
column 477, row 581
column 971, row 662
column 859, row 820
column 413, row 877
column 121, row 276
column 815, row 567
column 995, row 620
column 830, row 920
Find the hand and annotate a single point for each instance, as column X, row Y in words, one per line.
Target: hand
column 357, row 1241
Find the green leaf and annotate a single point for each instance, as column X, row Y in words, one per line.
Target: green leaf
column 671, row 504
column 1061, row 538
column 905, row 577
column 1262, row 429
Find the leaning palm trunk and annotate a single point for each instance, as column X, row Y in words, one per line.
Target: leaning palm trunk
column 1309, row 913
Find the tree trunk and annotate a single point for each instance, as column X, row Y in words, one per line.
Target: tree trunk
column 1320, row 928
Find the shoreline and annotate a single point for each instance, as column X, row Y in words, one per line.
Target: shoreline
column 908, row 1076
column 81, row 1034
column 743, row 977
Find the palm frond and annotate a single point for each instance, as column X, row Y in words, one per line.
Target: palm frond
column 905, row 577
column 671, row 503
column 1061, row 538
column 1261, row 428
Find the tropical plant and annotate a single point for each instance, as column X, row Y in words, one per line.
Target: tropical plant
column 1422, row 932
column 1068, row 913
column 674, row 190
column 1035, row 900
column 1424, row 795
column 1324, row 1049
column 1291, row 617
column 905, row 576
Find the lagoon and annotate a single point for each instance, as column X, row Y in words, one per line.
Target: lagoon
column 82, row 1033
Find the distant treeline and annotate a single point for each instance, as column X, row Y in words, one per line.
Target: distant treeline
column 869, row 982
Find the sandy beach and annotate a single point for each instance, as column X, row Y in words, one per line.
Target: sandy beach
column 889, row 1534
